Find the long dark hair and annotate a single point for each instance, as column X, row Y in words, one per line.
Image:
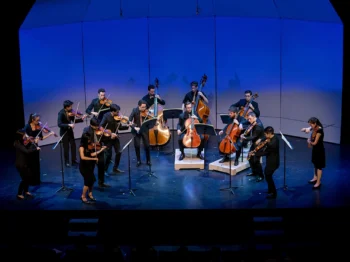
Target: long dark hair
column 32, row 117
column 85, row 139
column 314, row 120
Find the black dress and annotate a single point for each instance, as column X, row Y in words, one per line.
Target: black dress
column 34, row 158
column 86, row 168
column 318, row 152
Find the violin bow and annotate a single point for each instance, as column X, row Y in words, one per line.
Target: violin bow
column 102, row 134
column 41, row 130
column 102, row 105
column 75, row 116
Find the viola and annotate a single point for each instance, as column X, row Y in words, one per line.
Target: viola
column 45, row 129
column 94, row 146
column 258, row 147
column 105, row 101
column 75, row 113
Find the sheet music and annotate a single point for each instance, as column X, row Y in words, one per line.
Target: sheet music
column 286, row 141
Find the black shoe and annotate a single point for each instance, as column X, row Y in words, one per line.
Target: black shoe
column 312, row 182
column 317, row 187
column 103, row 185
column 149, row 163
column 225, row 159
column 75, row 162
column 85, row 201
column 259, row 179
column 236, row 162
column 200, row 156
column 92, row 198
column 138, row 163
column 117, row 170
column 271, row 196
column 182, row 156
column 67, row 164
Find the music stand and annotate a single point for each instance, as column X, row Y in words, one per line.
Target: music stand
column 63, row 187
column 146, row 126
column 171, row 114
column 286, row 142
column 127, row 145
column 205, row 129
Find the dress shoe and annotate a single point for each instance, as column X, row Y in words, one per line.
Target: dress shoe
column 75, row 162
column 312, row 181
column 138, row 163
column 92, row 198
column 117, row 170
column 271, row 196
column 103, row 185
column 85, row 201
column 67, row 164
column 317, row 187
column 149, row 163
column 200, row 156
column 225, row 159
column 259, row 179
column 182, row 156
column 236, row 162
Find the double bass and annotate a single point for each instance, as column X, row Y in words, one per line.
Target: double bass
column 245, row 110
column 227, row 144
column 191, row 139
column 159, row 135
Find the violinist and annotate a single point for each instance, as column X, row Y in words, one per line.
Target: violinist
column 253, row 106
column 24, row 164
column 181, row 130
column 270, row 149
column 318, row 157
column 66, row 120
column 239, row 120
column 191, row 96
column 86, row 168
column 99, row 105
column 112, row 126
column 35, row 130
column 138, row 115
column 98, row 141
column 254, row 133
column 149, row 98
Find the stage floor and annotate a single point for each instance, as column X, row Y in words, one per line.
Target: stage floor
column 183, row 189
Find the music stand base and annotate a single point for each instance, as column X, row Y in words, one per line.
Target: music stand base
column 285, row 188
column 230, row 189
column 131, row 192
column 64, row 188
column 150, row 174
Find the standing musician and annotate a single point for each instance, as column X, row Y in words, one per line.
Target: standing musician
column 66, row 120
column 254, row 133
column 237, row 119
column 137, row 117
column 112, row 126
column 191, row 96
column 181, row 128
column 253, row 106
column 92, row 132
column 23, row 164
column 100, row 105
column 149, row 98
column 270, row 148
column 34, row 130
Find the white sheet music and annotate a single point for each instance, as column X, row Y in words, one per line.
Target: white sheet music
column 285, row 140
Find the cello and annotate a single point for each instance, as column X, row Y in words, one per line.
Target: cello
column 245, row 110
column 227, row 144
column 159, row 135
column 191, row 139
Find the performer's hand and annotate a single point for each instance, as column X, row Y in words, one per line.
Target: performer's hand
column 84, row 116
column 114, row 136
column 157, row 96
column 201, row 94
column 236, row 121
column 258, row 141
column 71, row 125
column 221, row 132
column 38, row 148
column 179, row 132
column 251, row 106
column 242, row 136
column 309, row 141
column 103, row 147
column 94, row 113
column 36, row 140
column 240, row 127
column 194, row 116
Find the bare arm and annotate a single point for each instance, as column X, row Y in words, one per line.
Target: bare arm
column 318, row 135
column 83, row 157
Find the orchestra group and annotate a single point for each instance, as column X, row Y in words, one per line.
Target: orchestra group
column 243, row 129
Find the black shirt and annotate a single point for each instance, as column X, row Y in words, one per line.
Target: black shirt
column 272, row 153
column 189, row 97
column 256, row 133
column 112, row 124
column 96, row 106
column 241, row 103
column 150, row 101
column 241, row 120
column 182, row 119
column 63, row 121
column 22, row 154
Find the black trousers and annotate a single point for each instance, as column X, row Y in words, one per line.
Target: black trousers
column 137, row 143
column 68, row 140
column 270, row 183
column 101, row 168
column 25, row 175
column 239, row 147
column 182, row 147
column 113, row 143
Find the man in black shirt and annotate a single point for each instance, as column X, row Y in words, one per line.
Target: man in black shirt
column 272, row 153
column 192, row 95
column 99, row 109
column 91, row 131
column 111, row 124
column 66, row 121
column 149, row 98
column 255, row 134
column 253, row 106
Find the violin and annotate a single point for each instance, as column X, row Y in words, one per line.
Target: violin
column 313, row 135
column 257, row 148
column 105, row 101
column 123, row 119
column 28, row 139
column 45, row 129
column 94, row 146
column 247, row 131
column 75, row 113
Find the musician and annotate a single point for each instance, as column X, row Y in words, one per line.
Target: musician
column 272, row 152
column 255, row 135
column 99, row 109
column 318, row 157
column 33, row 129
column 23, row 164
column 149, row 98
column 240, row 121
column 86, row 167
column 192, row 95
column 137, row 119
column 91, row 131
column 181, row 129
column 111, row 124
column 66, row 121
column 254, row 106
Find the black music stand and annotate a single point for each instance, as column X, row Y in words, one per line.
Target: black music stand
column 286, row 142
column 146, row 126
column 127, row 145
column 205, row 129
column 171, row 114
column 63, row 187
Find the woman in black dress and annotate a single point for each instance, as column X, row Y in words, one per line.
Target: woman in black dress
column 32, row 130
column 23, row 164
column 318, row 151
column 87, row 163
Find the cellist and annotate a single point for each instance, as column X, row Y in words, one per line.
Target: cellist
column 191, row 96
column 181, row 129
column 236, row 119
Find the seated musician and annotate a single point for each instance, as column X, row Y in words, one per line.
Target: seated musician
column 99, row 109
column 192, row 95
column 239, row 120
column 254, row 106
column 181, row 130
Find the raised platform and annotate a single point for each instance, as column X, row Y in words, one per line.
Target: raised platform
column 191, row 161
